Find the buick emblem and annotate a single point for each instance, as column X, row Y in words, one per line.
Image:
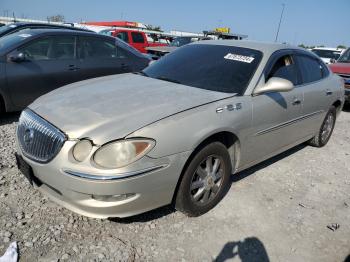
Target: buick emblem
column 28, row 136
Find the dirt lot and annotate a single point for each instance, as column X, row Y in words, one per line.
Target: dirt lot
column 276, row 211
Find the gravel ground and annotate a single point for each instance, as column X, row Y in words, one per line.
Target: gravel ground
column 276, row 211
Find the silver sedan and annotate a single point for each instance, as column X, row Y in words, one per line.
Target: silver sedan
column 174, row 133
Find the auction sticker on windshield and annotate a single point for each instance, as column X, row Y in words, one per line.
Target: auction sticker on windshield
column 240, row 58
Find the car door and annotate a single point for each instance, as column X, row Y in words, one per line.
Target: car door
column 275, row 114
column 50, row 62
column 318, row 94
column 99, row 56
column 139, row 41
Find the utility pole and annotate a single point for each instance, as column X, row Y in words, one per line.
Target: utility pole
column 279, row 24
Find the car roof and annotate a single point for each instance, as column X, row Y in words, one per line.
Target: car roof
column 264, row 47
column 53, row 25
column 49, row 31
column 328, row 48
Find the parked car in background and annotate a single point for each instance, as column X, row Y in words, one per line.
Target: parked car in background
column 36, row 61
column 136, row 39
column 159, row 51
column 121, row 145
column 327, row 54
column 15, row 27
column 342, row 68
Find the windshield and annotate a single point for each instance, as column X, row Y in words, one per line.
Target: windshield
column 327, row 53
column 218, row 68
column 12, row 39
column 180, row 41
column 345, row 58
column 106, row 32
column 5, row 28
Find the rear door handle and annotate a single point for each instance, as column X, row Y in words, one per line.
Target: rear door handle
column 329, row 93
column 73, row 68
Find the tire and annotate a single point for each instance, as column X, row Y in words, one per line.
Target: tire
column 326, row 130
column 208, row 188
column 2, row 106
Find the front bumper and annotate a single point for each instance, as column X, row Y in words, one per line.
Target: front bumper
column 151, row 185
column 347, row 94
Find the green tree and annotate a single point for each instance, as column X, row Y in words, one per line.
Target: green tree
column 55, row 18
column 154, row 28
column 341, row 46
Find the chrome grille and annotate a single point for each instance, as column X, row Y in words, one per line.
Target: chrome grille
column 38, row 139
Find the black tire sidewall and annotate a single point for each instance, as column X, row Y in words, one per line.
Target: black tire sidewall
column 183, row 199
column 333, row 111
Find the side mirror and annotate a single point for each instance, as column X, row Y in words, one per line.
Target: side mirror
column 275, row 84
column 17, row 58
column 332, row 61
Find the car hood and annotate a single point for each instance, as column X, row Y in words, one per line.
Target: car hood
column 112, row 107
column 163, row 49
column 340, row 68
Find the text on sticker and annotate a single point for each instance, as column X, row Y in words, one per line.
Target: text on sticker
column 240, row 58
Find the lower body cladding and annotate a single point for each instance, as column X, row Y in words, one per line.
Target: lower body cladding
column 145, row 190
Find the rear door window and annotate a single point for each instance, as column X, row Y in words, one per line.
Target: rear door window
column 98, row 48
column 137, row 37
column 311, row 69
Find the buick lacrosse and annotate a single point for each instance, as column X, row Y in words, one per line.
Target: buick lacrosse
column 121, row 145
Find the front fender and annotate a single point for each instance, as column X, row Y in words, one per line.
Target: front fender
column 185, row 131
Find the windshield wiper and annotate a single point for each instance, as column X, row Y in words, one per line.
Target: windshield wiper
column 141, row 73
column 168, row 79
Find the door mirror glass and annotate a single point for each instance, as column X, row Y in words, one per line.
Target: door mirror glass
column 17, row 58
column 275, row 84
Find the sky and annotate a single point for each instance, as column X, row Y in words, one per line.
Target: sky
column 308, row 22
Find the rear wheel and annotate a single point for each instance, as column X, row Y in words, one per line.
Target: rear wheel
column 205, row 181
column 326, row 130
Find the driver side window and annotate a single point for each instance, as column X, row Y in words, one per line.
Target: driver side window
column 50, row 48
column 285, row 68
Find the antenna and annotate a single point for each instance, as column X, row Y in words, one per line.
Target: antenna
column 279, row 24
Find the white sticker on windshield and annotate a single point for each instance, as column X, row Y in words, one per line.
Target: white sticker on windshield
column 240, row 58
column 24, row 35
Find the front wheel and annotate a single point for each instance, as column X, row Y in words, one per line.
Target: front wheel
column 326, row 130
column 205, row 181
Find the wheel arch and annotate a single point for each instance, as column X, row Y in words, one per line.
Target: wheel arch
column 338, row 106
column 2, row 104
column 229, row 139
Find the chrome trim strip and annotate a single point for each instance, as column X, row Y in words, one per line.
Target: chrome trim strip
column 113, row 177
column 293, row 121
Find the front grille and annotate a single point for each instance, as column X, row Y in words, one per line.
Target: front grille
column 38, row 139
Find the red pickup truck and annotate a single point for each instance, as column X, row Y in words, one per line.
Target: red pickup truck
column 342, row 68
column 135, row 38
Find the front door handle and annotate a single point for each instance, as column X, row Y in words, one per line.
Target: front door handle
column 296, row 102
column 329, row 93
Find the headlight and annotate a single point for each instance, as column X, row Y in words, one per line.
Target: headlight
column 82, row 150
column 122, row 153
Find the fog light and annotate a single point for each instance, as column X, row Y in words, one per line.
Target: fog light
column 82, row 150
column 113, row 198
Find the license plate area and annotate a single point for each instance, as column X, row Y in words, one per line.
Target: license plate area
column 25, row 169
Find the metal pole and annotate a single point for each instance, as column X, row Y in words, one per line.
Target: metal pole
column 279, row 24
